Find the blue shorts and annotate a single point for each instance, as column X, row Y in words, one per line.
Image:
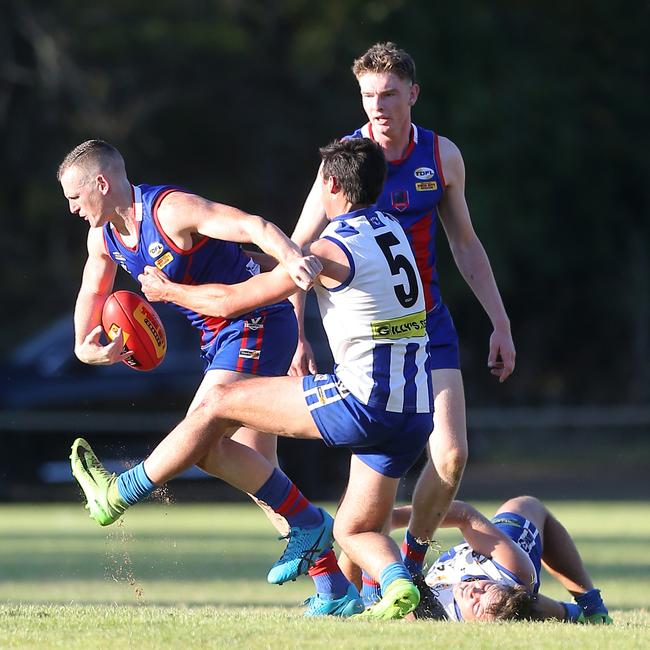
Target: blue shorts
column 388, row 442
column 443, row 339
column 261, row 343
column 525, row 535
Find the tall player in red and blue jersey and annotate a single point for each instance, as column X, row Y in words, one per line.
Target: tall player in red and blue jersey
column 194, row 241
column 426, row 183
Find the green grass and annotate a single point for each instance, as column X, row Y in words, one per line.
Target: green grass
column 194, row 576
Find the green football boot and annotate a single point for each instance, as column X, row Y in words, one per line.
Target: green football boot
column 400, row 598
column 100, row 488
column 598, row 619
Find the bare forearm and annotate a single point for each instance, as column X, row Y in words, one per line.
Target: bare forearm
column 207, row 299
column 474, row 266
column 298, row 301
column 231, row 301
column 87, row 314
column 273, row 241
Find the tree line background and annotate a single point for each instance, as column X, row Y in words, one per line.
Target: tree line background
column 547, row 101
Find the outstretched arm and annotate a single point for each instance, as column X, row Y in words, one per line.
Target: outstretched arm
column 232, row 300
column 184, row 216
column 472, row 260
column 221, row 300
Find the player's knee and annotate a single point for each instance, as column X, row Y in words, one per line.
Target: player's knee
column 213, row 403
column 527, row 506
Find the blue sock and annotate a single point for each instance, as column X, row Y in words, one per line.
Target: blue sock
column 287, row 500
column 328, row 577
column 572, row 611
column 134, row 484
column 394, row 571
column 591, row 603
column 413, row 553
column 370, row 591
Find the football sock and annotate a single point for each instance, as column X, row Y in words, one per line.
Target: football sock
column 413, row 553
column 370, row 591
column 134, row 484
column 328, row 577
column 287, row 500
column 573, row 612
column 394, row 571
column 591, row 603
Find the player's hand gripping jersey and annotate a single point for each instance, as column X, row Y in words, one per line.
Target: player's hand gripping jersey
column 376, row 321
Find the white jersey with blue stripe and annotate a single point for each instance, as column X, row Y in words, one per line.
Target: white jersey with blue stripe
column 375, row 321
column 462, row 564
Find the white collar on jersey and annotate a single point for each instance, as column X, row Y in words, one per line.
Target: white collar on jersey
column 137, row 202
column 366, row 133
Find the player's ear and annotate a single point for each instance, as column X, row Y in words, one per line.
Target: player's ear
column 414, row 93
column 102, row 183
column 333, row 185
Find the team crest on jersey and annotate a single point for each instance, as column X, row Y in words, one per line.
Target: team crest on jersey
column 155, row 248
column 254, row 324
column 423, row 173
column 164, row 260
column 400, row 200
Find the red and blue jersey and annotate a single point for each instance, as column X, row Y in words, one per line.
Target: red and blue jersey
column 208, row 261
column 413, row 189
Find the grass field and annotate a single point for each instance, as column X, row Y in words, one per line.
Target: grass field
column 193, row 576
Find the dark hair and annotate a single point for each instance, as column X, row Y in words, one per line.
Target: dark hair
column 91, row 152
column 359, row 166
column 515, row 603
column 385, row 57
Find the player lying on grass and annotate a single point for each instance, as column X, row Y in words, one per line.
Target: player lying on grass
column 378, row 404
column 494, row 574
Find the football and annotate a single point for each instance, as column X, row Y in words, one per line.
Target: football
column 143, row 331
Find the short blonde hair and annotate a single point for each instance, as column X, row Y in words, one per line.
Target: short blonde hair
column 91, row 153
column 385, row 57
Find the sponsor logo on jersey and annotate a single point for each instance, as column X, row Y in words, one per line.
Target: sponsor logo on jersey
column 245, row 353
column 399, row 199
column 429, row 186
column 321, row 377
column 406, row 327
column 423, row 173
column 254, row 324
column 155, row 248
column 163, row 261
